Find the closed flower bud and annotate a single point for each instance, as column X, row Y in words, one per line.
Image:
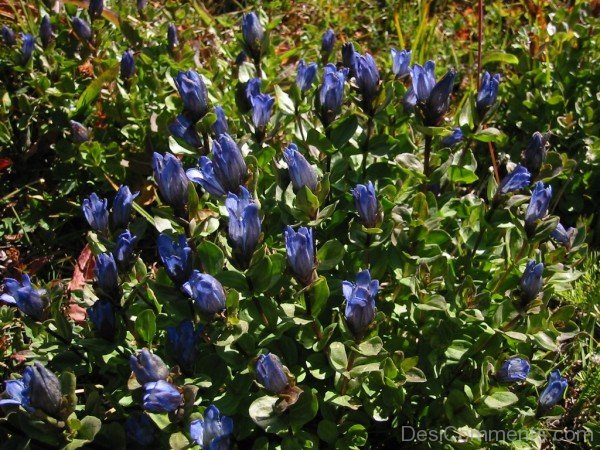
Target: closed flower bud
column 300, row 250
column 206, row 291
column 148, row 367
column 182, row 341
column 252, row 89
column 439, row 100
column 432, row 98
column 8, row 36
column 331, row 93
column 244, row 224
column 349, row 56
column 95, row 8
column 82, row 29
column 171, row 179
column 518, row 179
column 96, row 212
column 367, row 79
column 127, row 65
column 140, row 430
column 205, row 176
column 193, row 93
column 79, row 132
column 305, row 75
column 301, row 172
column 172, row 40
column 423, row 80
column 531, row 281
column 365, row 200
column 228, row 163
column 125, row 246
column 213, row 431
column 262, row 106
column 360, row 302
column 554, row 391
column 106, row 273
column 538, row 205
column 488, row 91
column 184, row 129
column 161, row 397
column 30, row 301
column 562, row 235
column 400, row 62
column 535, row 153
column 454, row 138
column 42, row 389
column 122, row 205
column 270, row 373
column 220, row 126
column 176, row 256
column 102, row 316
column 46, row 31
column 253, row 34
column 327, row 42
column 27, row 47
column 513, row 370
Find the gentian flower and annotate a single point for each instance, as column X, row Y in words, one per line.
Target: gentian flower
column 82, row 29
column 300, row 250
column 360, row 302
column 148, row 367
column 95, row 8
column 184, row 129
column 220, row 126
column 252, row 88
column 105, row 271
column 519, row 178
column 96, row 212
column 531, row 281
column 367, row 79
column 349, row 57
column 125, row 246
column 206, row 291
column 193, row 93
column 262, row 106
column 241, row 58
column 213, row 431
column 27, row 47
column 172, row 40
column 253, row 34
column 122, row 205
column 244, row 224
column 365, row 200
column 327, row 42
column 102, row 316
column 205, row 176
column 562, row 235
column 331, row 94
column 127, row 65
column 161, row 397
column 176, row 257
column 488, row 91
column 554, row 391
column 270, row 373
column 301, row 172
column 306, row 75
column 432, row 99
column 46, row 31
column 30, row 301
column 182, row 341
column 538, row 205
column 535, row 153
column 8, row 36
column 79, row 132
column 400, row 62
column 513, row 370
column 140, row 430
column 171, row 179
column 15, row 395
column 453, row 139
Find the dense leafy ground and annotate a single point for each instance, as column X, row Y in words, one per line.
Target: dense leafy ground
column 396, row 309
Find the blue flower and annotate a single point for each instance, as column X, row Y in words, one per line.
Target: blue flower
column 360, row 302
column 327, row 42
column 423, row 80
column 270, row 373
column 562, row 235
column 262, row 106
column 46, row 31
column 105, row 271
column 140, row 430
column 30, row 301
column 300, row 250
column 306, row 75
column 184, row 129
column 244, row 224
column 171, row 179
column 82, row 29
column 122, row 205
column 14, row 389
column 127, row 65
column 432, row 98
column 102, row 315
column 519, row 178
column 205, row 176
column 176, row 257
column 213, row 431
column 331, row 94
column 538, row 205
column 148, row 367
column 125, row 246
column 531, row 281
column 400, row 62
column 488, row 91
column 172, row 40
column 252, row 88
column 554, row 391
column 349, row 57
column 79, row 132
column 220, row 126
column 513, row 370
column 193, row 93
column 206, row 291
column 365, row 200
column 535, row 153
column 95, row 8
column 367, row 79
column 182, row 341
column 8, row 36
column 161, row 397
column 253, row 34
column 301, row 172
column 453, row 139
column 27, row 47
column 141, row 4
column 96, row 212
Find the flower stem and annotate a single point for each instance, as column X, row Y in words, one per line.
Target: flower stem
column 426, row 168
column 349, row 367
column 365, row 150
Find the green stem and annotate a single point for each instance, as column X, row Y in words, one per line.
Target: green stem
column 426, row 167
column 365, row 149
column 349, row 367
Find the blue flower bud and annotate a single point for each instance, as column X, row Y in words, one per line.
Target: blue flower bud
column 213, row 431
column 82, row 29
column 141, row 4
column 95, row 8
column 46, row 34
column 554, row 391
column 172, row 40
column 30, row 301
column 182, row 341
column 538, row 205
column 400, row 62
column 301, row 172
column 171, row 179
column 176, row 257
column 262, row 106
column 331, row 94
column 410, row 99
column 140, row 430
column 454, row 138
column 241, row 58
column 349, row 56
column 562, row 235
column 519, row 178
column 106, row 273
column 244, row 224
column 42, row 389
column 161, row 397
column 205, row 176
column 220, row 126
column 306, row 75
column 15, row 390
column 328, row 42
column 148, row 367
column 300, row 250
column 122, row 205
column 102, row 315
column 531, row 281
column 423, row 80
column 206, row 291
column 360, row 302
column 125, row 246
column 513, row 370
column 96, row 212
column 8, row 36
column 365, row 200
column 488, row 91
column 367, row 79
column 193, row 93
column 439, row 99
column 228, row 163
column 184, row 129
column 127, row 65
column 535, row 153
column 252, row 88
column 27, row 47
column 253, row 34
column 270, row 373
column 79, row 132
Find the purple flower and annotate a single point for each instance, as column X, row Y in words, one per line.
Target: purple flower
column 213, row 431
column 360, row 302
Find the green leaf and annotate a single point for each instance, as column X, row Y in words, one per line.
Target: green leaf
column 458, row 174
column 491, row 134
column 94, row 88
column 497, row 56
column 327, row 431
column 330, row 254
column 211, row 257
column 500, row 400
column 145, row 325
column 342, row 132
column 337, row 356
column 319, row 296
column 372, row 347
column 89, row 427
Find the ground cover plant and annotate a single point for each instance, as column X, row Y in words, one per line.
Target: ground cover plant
column 299, row 225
